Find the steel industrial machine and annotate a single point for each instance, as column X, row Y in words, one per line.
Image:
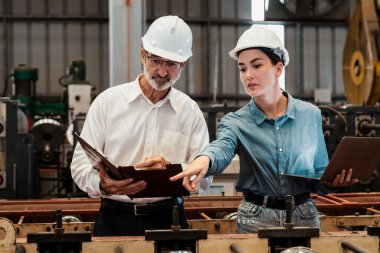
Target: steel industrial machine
column 350, row 221
column 39, row 151
column 17, row 175
column 77, row 90
column 347, row 224
column 361, row 56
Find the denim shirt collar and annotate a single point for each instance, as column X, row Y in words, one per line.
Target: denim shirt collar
column 260, row 117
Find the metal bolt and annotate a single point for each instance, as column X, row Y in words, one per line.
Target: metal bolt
column 176, row 226
column 20, row 249
column 58, row 220
column 118, row 249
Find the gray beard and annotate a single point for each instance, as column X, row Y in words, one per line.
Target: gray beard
column 160, row 86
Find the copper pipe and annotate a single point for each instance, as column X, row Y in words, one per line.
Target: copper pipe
column 205, row 216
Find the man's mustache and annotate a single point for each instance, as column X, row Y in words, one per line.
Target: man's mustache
column 161, row 79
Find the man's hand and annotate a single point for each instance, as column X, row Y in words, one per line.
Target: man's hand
column 197, row 169
column 341, row 180
column 119, row 187
column 154, row 162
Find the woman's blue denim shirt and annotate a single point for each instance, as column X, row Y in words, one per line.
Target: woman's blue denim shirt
column 269, row 148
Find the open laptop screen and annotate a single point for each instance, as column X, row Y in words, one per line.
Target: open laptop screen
column 362, row 154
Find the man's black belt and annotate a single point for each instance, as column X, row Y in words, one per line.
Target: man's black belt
column 141, row 208
column 275, row 202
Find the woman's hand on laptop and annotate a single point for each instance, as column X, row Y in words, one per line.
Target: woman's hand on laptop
column 341, row 180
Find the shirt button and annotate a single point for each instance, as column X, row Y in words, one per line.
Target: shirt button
column 277, row 128
column 282, row 173
column 280, row 149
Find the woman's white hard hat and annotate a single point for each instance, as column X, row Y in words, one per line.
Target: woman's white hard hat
column 258, row 36
column 169, row 37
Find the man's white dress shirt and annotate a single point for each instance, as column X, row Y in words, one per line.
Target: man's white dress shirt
column 127, row 127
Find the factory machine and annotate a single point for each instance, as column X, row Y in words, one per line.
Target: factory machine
column 36, row 134
column 361, row 55
column 350, row 220
column 361, row 76
column 348, row 225
column 17, row 177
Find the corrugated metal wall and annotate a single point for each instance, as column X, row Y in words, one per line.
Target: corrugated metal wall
column 216, row 27
column 317, row 61
column 315, row 48
column 49, row 34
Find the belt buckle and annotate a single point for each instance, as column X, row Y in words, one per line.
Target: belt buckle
column 135, row 209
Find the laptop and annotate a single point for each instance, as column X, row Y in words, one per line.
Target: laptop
column 362, row 154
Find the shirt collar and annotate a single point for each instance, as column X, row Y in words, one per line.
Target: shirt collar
column 173, row 99
column 291, row 110
column 260, row 116
column 136, row 91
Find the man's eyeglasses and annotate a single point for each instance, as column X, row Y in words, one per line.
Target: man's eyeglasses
column 155, row 61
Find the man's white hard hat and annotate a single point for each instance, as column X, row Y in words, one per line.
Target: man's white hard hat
column 258, row 36
column 169, row 37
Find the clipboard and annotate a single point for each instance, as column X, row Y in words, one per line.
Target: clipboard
column 158, row 181
column 362, row 154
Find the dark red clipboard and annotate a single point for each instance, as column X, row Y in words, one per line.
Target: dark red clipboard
column 158, row 181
